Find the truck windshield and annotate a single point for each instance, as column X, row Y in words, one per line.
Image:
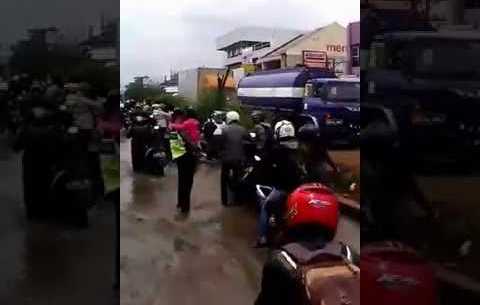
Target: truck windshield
column 444, row 58
column 339, row 91
column 448, row 58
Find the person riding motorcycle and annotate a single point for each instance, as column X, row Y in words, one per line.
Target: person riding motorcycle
column 212, row 132
column 233, row 156
column 308, row 268
column 39, row 137
column 285, row 175
column 314, row 153
column 263, row 133
column 85, row 109
column 139, row 132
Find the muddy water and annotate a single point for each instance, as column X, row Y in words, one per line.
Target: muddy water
column 50, row 263
column 456, row 198
column 205, row 259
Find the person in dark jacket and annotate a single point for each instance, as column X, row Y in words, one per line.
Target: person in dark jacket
column 263, row 132
column 233, row 157
column 286, row 175
column 39, row 140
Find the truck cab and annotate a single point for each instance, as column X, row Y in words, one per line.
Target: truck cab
column 431, row 81
column 335, row 103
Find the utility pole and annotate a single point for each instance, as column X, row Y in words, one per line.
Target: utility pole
column 140, row 81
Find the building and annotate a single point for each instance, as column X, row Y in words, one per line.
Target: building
column 324, row 47
column 353, row 49
column 246, row 45
column 193, row 83
column 5, row 54
column 170, row 86
column 472, row 12
column 104, row 47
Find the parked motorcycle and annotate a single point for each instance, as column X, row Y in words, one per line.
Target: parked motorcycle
column 156, row 157
column 140, row 133
column 71, row 190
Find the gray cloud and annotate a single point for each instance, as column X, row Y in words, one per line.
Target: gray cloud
column 72, row 16
column 157, row 36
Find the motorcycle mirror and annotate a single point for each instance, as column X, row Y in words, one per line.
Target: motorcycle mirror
column 261, row 191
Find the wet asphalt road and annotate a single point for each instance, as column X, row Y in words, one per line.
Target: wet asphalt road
column 50, row 263
column 206, row 259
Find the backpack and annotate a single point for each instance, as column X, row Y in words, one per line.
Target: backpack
column 325, row 275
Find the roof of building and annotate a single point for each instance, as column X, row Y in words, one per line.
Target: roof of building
column 282, row 49
column 411, row 35
column 255, row 34
column 108, row 37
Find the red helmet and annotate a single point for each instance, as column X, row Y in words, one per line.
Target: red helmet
column 313, row 204
column 395, row 274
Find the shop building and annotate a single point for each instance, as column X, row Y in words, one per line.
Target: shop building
column 246, row 45
column 325, row 47
column 353, row 49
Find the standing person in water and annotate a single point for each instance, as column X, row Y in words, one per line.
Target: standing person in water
column 185, row 151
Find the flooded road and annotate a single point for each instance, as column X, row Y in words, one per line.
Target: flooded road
column 205, row 259
column 51, row 263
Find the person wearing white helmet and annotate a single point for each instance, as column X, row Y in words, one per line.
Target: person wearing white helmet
column 285, row 173
column 232, row 155
column 233, row 117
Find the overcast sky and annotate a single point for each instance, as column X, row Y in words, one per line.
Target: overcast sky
column 72, row 16
column 157, row 36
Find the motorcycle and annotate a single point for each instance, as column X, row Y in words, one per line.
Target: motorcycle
column 71, row 189
column 393, row 273
column 156, row 156
column 140, row 133
column 324, row 209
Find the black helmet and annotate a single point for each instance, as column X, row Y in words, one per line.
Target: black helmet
column 190, row 112
column 258, row 115
column 308, row 132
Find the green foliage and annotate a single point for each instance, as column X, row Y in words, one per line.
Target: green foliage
column 101, row 78
column 210, row 101
column 66, row 61
column 136, row 92
column 170, row 100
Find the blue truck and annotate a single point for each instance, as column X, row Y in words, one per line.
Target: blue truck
column 314, row 96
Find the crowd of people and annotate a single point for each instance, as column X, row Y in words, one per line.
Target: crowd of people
column 288, row 156
column 59, row 129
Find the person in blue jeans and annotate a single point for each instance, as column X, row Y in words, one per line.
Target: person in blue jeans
column 286, row 174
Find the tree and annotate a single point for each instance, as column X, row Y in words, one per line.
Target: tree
column 137, row 90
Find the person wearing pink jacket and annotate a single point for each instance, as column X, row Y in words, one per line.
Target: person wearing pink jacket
column 187, row 125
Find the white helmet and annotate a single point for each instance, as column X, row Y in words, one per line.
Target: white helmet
column 232, row 116
column 284, row 133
